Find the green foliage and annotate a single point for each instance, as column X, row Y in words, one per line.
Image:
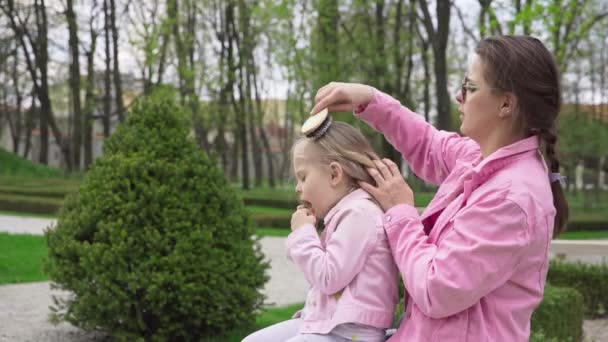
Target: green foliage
column 559, row 315
column 539, row 336
column 590, row 280
column 581, row 137
column 155, row 245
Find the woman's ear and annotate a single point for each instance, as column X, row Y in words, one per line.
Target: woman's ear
column 509, row 105
column 336, row 172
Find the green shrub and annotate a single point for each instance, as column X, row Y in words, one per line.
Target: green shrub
column 560, row 314
column 590, row 280
column 155, row 245
column 539, row 336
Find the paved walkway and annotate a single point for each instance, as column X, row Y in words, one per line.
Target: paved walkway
column 24, row 307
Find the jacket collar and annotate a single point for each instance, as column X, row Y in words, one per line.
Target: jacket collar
column 351, row 196
column 505, row 155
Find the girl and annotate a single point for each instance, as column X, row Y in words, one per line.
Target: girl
column 350, row 268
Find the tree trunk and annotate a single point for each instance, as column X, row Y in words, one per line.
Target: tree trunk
column 90, row 100
column 29, row 126
column 439, row 39
column 107, row 96
column 17, row 124
column 75, row 84
column 117, row 82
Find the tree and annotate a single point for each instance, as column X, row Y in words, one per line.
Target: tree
column 156, row 245
column 438, row 36
column 75, row 84
column 35, row 51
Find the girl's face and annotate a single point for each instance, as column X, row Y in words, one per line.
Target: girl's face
column 316, row 187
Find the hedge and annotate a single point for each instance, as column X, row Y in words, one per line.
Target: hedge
column 590, row 280
column 560, row 314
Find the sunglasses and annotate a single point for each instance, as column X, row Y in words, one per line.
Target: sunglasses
column 465, row 87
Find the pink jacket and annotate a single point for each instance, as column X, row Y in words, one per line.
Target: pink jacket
column 350, row 267
column 474, row 264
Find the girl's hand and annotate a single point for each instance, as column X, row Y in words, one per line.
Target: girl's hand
column 342, row 97
column 391, row 188
column 301, row 217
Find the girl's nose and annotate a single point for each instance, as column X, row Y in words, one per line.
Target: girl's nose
column 298, row 188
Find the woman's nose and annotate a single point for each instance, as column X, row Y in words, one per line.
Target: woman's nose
column 459, row 97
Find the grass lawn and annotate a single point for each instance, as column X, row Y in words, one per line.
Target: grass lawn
column 21, row 258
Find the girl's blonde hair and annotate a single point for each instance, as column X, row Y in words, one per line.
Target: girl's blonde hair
column 347, row 146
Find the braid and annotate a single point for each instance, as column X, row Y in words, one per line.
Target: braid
column 559, row 199
column 550, row 139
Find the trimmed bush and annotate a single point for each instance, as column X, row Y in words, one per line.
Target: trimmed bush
column 590, row 280
column 539, row 336
column 155, row 245
column 560, row 314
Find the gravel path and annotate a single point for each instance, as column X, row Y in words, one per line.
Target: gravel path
column 24, row 308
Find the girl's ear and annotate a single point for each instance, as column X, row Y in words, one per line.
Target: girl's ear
column 336, row 173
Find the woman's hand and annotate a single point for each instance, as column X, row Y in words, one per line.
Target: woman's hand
column 391, row 188
column 301, row 217
column 342, row 97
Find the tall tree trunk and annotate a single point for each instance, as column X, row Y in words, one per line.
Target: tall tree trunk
column 184, row 49
column 240, row 106
column 326, row 46
column 75, row 84
column 16, row 125
column 117, row 81
column 89, row 104
column 107, row 95
column 30, row 123
column 439, row 38
column 260, row 120
column 247, row 70
column 46, row 109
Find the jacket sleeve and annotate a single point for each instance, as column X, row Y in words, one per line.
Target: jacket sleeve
column 431, row 153
column 479, row 253
column 332, row 268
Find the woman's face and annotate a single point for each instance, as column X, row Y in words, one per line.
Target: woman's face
column 479, row 106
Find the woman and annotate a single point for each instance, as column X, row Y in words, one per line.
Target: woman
column 474, row 263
